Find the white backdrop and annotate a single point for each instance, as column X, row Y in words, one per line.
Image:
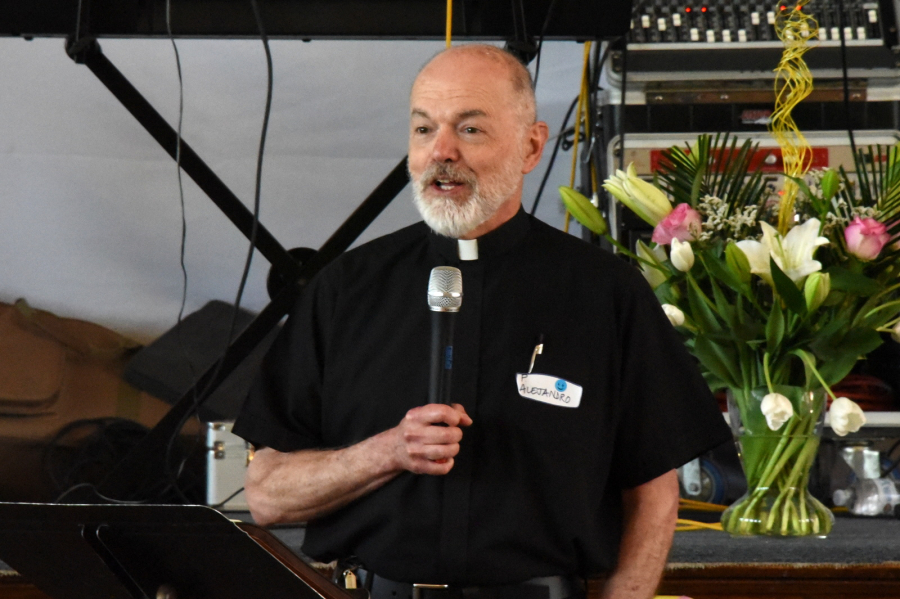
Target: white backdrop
column 90, row 220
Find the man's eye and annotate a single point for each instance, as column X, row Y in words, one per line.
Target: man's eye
column 471, row 130
column 421, row 129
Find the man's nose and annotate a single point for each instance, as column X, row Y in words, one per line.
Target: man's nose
column 446, row 146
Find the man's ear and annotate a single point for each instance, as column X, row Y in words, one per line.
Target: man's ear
column 534, row 142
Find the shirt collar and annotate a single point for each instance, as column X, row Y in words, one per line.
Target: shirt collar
column 491, row 244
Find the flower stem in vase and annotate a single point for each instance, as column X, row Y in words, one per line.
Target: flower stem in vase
column 777, row 465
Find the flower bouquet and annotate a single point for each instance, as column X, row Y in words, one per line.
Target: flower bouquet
column 776, row 304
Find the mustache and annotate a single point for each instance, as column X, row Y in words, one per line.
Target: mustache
column 440, row 170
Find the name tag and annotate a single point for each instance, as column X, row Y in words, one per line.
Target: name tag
column 549, row 389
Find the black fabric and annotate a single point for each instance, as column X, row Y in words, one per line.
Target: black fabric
column 536, row 488
column 171, row 365
column 556, row 587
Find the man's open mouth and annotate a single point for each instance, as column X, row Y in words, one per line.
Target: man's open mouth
column 446, row 184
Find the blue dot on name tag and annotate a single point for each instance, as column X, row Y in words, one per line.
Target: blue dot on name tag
column 561, row 385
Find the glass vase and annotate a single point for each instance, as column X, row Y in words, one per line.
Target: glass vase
column 777, row 466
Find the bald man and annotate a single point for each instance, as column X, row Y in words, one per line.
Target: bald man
column 547, row 468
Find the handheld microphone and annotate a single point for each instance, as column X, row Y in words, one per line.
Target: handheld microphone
column 444, row 301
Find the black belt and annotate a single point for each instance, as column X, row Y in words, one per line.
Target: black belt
column 548, row 587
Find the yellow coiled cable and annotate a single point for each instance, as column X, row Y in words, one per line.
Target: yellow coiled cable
column 793, row 83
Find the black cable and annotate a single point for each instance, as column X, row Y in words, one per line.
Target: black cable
column 887, row 471
column 595, row 80
column 540, row 46
column 515, row 15
column 622, row 105
column 178, row 132
column 102, row 442
column 227, row 499
column 559, row 140
column 846, row 79
column 78, row 23
column 253, row 234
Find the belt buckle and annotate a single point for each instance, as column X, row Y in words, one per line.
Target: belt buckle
column 417, row 589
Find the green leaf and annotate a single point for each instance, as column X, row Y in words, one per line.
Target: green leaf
column 834, row 371
column 702, row 313
column 827, row 339
column 792, row 297
column 860, row 342
column 858, row 284
column 809, row 364
column 667, row 292
column 720, row 270
column 774, row 328
column 737, row 262
column 718, row 359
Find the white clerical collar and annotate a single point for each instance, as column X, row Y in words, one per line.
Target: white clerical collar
column 468, row 249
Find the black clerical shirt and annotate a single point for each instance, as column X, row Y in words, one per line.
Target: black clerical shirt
column 535, row 489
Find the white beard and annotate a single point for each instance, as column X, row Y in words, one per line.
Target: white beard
column 447, row 217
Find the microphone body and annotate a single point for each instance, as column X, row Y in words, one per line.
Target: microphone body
column 441, row 357
column 444, row 301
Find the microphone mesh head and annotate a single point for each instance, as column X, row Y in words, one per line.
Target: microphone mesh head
column 445, row 289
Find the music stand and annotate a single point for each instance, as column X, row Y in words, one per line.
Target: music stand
column 149, row 551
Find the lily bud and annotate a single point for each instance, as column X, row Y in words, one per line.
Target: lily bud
column 644, row 199
column 816, row 289
column 676, row 316
column 583, row 210
column 777, row 409
column 655, row 275
column 682, row 256
column 895, row 335
column 846, row 416
column 830, row 184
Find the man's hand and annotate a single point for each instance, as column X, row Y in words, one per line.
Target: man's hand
column 306, row 484
column 427, row 439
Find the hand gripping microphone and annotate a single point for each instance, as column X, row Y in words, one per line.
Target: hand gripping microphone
column 444, row 301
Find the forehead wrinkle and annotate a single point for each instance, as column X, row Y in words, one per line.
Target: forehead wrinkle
column 464, row 114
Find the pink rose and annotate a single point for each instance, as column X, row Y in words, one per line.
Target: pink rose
column 683, row 224
column 865, row 237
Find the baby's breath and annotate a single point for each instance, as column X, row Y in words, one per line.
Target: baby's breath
column 719, row 221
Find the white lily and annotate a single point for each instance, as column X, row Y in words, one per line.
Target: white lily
column 644, row 199
column 676, row 316
column 793, row 253
column 682, row 256
column 895, row 334
column 777, row 409
column 655, row 275
column 846, row 416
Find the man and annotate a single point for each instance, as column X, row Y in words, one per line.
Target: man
column 514, row 489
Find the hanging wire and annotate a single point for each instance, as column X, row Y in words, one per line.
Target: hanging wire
column 540, row 46
column 203, row 394
column 580, row 118
column 560, row 138
column 845, row 78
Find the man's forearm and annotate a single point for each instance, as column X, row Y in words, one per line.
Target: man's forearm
column 650, row 512
column 301, row 485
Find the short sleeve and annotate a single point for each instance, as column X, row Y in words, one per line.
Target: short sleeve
column 668, row 414
column 283, row 407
